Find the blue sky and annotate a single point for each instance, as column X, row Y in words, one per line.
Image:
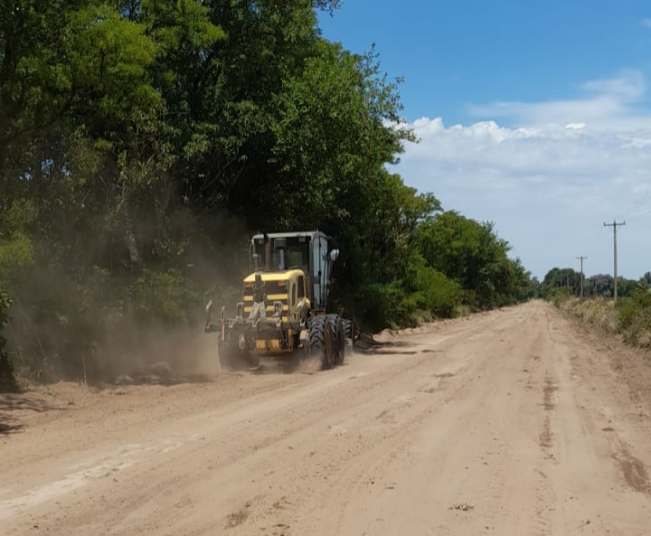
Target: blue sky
column 534, row 115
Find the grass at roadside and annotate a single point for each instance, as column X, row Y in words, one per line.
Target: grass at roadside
column 630, row 318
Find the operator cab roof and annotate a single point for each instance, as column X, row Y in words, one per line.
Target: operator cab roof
column 308, row 234
column 283, row 275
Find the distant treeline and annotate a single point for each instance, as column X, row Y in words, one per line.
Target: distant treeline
column 141, row 142
column 568, row 280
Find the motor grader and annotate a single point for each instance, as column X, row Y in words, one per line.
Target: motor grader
column 283, row 311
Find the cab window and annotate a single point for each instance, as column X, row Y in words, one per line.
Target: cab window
column 293, row 293
column 301, row 287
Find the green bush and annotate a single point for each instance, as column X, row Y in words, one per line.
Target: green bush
column 629, row 309
column 386, row 305
column 634, row 317
column 7, row 378
column 631, row 317
column 424, row 293
column 437, row 293
column 558, row 295
column 163, row 297
column 15, row 254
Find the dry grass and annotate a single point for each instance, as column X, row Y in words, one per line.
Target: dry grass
column 597, row 312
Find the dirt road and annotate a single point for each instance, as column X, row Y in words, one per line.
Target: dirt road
column 509, row 422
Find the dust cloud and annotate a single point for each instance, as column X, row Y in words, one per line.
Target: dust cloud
column 100, row 318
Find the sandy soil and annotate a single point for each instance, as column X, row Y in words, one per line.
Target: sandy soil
column 513, row 422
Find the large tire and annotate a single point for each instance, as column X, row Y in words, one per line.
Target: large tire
column 338, row 330
column 328, row 340
column 348, row 328
column 318, row 344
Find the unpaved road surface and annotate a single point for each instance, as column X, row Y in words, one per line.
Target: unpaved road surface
column 513, row 422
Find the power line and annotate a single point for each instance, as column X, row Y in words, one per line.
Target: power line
column 614, row 225
column 581, row 259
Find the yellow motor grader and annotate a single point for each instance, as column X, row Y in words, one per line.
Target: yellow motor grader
column 284, row 303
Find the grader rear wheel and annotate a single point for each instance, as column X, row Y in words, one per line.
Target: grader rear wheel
column 318, row 345
column 338, row 331
column 327, row 340
column 348, row 328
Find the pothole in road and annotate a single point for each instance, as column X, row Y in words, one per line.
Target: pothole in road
column 386, row 417
column 633, row 470
column 236, row 518
column 463, row 507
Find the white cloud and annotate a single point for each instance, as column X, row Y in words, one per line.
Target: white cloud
column 550, row 180
column 607, row 103
column 628, row 86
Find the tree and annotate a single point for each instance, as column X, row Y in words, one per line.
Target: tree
column 471, row 253
column 564, row 278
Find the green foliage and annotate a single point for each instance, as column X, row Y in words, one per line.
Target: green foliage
column 393, row 305
column 16, row 254
column 7, row 379
column 472, row 254
column 445, row 262
column 557, row 295
column 107, row 57
column 634, row 317
column 629, row 308
column 163, row 297
column 5, row 303
column 599, row 285
column 385, row 305
column 432, row 290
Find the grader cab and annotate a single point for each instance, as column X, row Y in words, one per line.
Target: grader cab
column 284, row 303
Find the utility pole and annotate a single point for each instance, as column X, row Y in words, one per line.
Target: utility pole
column 614, row 225
column 581, row 259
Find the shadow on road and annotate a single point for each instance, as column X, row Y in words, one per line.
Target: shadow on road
column 9, row 425
column 11, row 404
column 368, row 345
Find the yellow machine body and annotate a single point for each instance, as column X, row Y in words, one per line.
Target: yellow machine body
column 286, row 290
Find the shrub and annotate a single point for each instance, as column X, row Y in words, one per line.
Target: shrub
column 163, row 297
column 386, row 305
column 634, row 317
column 558, row 295
column 7, row 379
column 437, row 293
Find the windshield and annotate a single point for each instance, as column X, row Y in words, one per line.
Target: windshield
column 286, row 253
